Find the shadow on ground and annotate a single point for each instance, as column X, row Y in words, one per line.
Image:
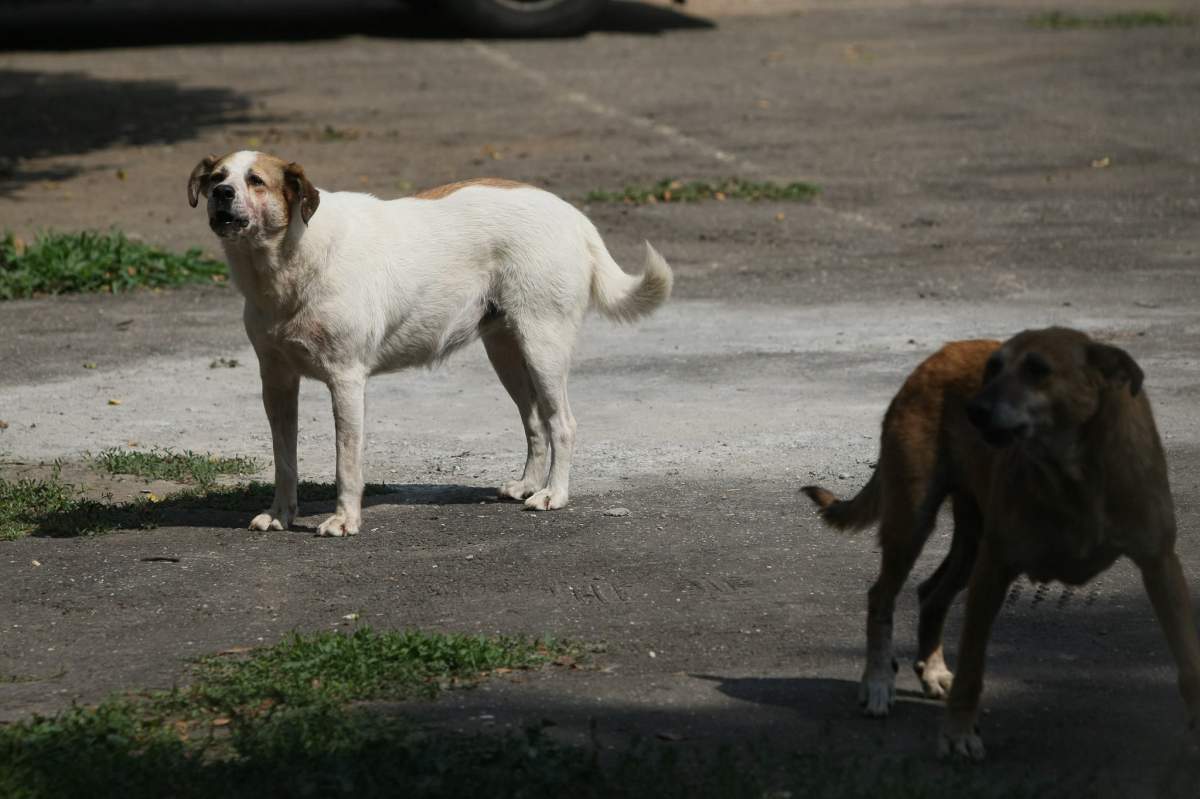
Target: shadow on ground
column 333, row 751
column 57, row 26
column 52, row 114
column 229, row 506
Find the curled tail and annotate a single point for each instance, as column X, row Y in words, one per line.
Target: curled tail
column 623, row 297
column 849, row 514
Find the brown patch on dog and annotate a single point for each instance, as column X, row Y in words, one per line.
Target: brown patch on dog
column 439, row 192
column 198, row 180
column 1074, row 479
column 289, row 183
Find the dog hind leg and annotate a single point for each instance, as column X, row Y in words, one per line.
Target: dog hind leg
column 548, row 357
column 504, row 351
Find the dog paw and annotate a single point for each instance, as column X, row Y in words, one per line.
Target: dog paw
column 546, row 499
column 517, row 489
column 935, row 678
column 877, row 694
column 273, row 519
column 338, row 525
column 961, row 745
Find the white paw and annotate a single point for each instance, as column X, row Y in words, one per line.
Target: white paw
column 935, row 678
column 338, row 525
column 517, row 489
column 961, row 745
column 877, row 692
column 273, row 519
column 546, row 499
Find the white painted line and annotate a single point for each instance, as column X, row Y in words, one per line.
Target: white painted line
column 668, row 132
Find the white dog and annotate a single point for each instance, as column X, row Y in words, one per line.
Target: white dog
column 369, row 286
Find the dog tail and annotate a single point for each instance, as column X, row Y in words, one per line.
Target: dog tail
column 623, row 297
column 850, row 514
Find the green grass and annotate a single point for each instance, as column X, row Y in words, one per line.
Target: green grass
column 670, row 191
column 276, row 722
column 63, row 263
column 1062, row 20
column 290, row 721
column 165, row 464
column 364, row 665
column 52, row 508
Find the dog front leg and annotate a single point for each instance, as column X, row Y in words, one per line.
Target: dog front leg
column 989, row 585
column 1168, row 590
column 349, row 401
column 280, row 392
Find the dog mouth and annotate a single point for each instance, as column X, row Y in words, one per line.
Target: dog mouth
column 226, row 222
column 1003, row 436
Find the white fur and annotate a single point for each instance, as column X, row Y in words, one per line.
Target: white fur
column 371, row 286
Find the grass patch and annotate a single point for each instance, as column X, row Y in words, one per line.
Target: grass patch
column 165, row 464
column 274, row 723
column 63, row 263
column 287, row 721
column 676, row 191
column 1062, row 20
column 336, row 667
column 53, row 508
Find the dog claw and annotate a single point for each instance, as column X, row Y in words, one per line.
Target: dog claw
column 876, row 695
column 966, row 747
column 546, row 500
column 337, row 527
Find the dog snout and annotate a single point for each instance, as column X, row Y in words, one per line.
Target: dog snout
column 224, row 192
column 999, row 422
column 979, row 413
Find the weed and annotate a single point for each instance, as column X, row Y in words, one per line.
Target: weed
column 61, row 263
column 667, row 191
column 54, row 508
column 166, row 464
column 1062, row 20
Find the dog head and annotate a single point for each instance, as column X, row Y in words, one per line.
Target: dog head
column 252, row 194
column 1042, row 382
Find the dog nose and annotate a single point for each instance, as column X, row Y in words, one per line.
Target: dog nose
column 224, row 192
column 980, row 414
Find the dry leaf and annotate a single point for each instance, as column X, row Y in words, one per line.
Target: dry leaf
column 114, row 402
column 235, row 650
column 221, row 722
column 1102, row 163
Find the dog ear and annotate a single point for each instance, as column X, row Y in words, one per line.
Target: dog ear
column 298, row 187
column 1116, row 365
column 198, row 182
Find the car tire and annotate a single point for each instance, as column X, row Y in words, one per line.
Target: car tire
column 527, row 17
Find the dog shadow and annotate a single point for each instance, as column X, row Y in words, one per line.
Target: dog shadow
column 228, row 506
column 821, row 697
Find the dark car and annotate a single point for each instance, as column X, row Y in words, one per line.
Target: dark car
column 526, row 17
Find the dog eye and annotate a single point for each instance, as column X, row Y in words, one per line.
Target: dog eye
column 992, row 368
column 255, row 180
column 1035, row 367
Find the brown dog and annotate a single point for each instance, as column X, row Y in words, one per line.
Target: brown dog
column 1047, row 448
